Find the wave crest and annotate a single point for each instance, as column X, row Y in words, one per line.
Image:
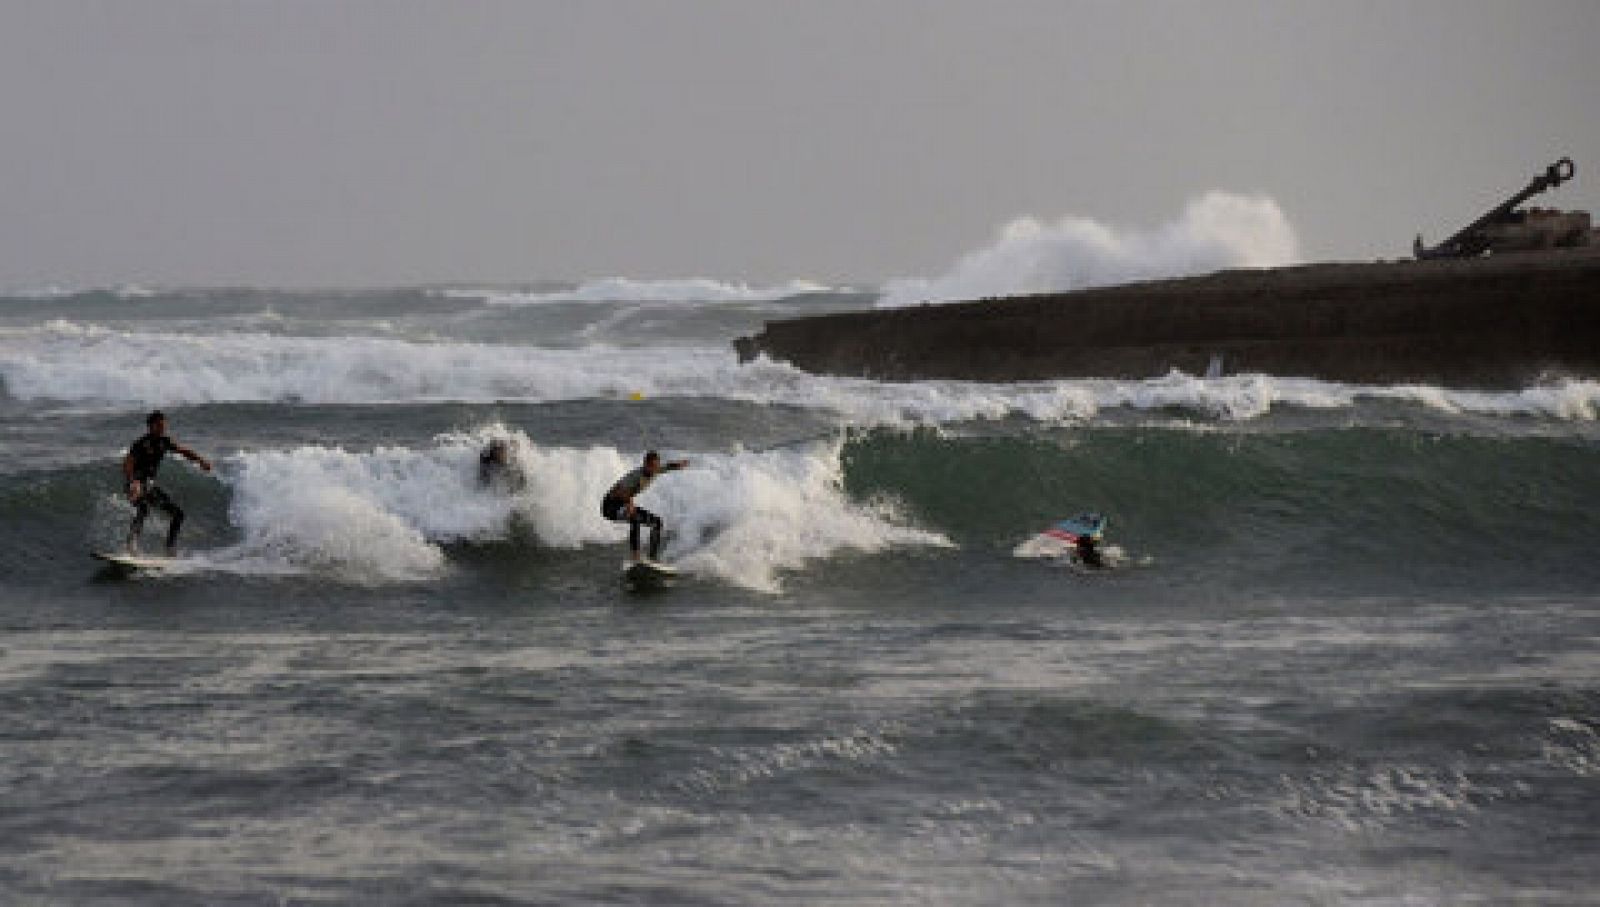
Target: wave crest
column 71, row 363
column 383, row 515
column 623, row 289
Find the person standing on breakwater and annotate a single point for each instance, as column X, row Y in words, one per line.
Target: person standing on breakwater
column 618, row 504
column 139, row 473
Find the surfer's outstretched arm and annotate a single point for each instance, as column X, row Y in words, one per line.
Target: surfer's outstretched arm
column 187, row 454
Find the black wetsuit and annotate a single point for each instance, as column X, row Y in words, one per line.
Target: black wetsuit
column 1089, row 551
column 496, row 469
column 146, row 454
column 489, row 466
column 616, row 501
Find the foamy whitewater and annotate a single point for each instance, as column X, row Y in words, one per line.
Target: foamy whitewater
column 65, row 362
column 1350, row 655
column 622, row 289
column 386, row 514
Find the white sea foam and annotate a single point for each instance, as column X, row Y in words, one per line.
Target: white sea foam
column 1218, row 230
column 98, row 366
column 53, row 291
column 383, row 515
column 70, row 362
column 747, row 516
column 1369, row 799
column 622, row 289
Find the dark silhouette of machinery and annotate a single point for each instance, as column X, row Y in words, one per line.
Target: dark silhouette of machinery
column 1505, row 229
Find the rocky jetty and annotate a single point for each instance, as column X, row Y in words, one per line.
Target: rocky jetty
column 1499, row 321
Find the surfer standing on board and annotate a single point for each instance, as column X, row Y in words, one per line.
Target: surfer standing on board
column 139, row 472
column 618, row 504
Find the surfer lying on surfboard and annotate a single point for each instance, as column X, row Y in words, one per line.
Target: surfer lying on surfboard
column 139, row 473
column 618, row 505
column 1077, row 538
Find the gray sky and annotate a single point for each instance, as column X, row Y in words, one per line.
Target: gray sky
column 357, row 142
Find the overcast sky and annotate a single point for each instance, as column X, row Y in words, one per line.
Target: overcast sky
column 362, row 142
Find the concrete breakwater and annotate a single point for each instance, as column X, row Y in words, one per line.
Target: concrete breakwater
column 1501, row 321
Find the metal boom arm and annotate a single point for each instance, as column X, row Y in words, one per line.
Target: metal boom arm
column 1471, row 240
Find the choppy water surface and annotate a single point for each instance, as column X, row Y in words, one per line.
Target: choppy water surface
column 1356, row 658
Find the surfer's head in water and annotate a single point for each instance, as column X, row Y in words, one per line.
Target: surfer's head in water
column 652, row 463
column 156, row 422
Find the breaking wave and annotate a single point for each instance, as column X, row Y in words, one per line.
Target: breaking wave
column 71, row 363
column 623, row 289
column 1216, row 231
column 1379, row 509
column 382, row 515
column 51, row 292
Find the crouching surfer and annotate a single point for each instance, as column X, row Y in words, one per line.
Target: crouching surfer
column 498, row 469
column 139, row 473
column 1087, row 548
column 1085, row 532
column 618, row 505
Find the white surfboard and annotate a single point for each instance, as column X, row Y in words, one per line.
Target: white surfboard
column 644, row 576
column 135, row 561
column 1060, row 540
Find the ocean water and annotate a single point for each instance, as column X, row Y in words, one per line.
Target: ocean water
column 1354, row 656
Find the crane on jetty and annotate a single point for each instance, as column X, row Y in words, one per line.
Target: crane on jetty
column 1505, row 229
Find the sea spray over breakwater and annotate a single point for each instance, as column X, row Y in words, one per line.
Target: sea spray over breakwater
column 71, row 363
column 1217, row 230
